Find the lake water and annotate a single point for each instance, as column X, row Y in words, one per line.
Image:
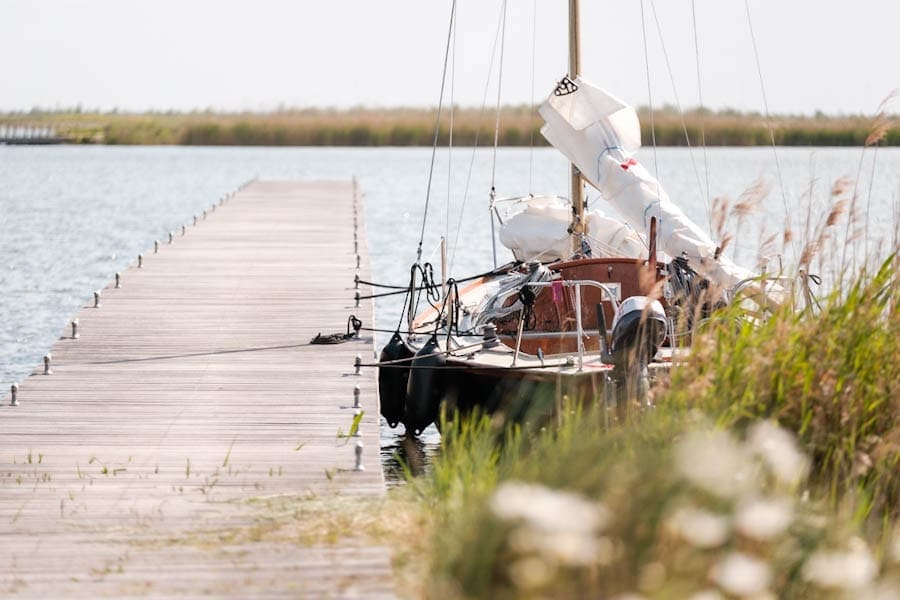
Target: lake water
column 70, row 216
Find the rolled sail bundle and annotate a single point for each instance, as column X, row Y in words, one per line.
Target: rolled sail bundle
column 599, row 134
column 541, row 232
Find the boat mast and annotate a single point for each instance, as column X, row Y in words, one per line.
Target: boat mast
column 576, row 187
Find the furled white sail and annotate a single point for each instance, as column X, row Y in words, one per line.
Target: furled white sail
column 541, row 232
column 599, row 134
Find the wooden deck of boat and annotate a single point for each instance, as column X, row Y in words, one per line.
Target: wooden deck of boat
column 189, row 436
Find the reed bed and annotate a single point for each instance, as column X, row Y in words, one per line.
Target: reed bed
column 519, row 126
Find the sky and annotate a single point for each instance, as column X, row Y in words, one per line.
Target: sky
column 834, row 56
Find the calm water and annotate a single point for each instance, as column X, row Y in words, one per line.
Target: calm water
column 70, row 217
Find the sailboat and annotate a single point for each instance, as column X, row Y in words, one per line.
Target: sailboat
column 592, row 307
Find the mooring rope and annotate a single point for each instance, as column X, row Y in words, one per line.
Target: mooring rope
column 502, row 268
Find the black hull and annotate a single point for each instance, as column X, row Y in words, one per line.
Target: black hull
column 517, row 395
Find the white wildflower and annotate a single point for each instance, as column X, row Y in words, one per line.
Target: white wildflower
column 546, row 509
column 761, row 519
column 779, row 450
column 530, row 572
column 699, row 527
column 707, row 595
column 567, row 548
column 742, row 575
column 843, row 569
column 715, row 462
column 880, row 590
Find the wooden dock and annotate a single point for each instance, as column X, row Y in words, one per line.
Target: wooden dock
column 191, row 407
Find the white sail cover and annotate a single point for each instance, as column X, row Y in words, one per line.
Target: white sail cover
column 599, row 134
column 541, row 232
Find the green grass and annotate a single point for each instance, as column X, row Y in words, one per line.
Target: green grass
column 415, row 127
column 822, row 392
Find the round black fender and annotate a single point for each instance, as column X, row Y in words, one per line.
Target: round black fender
column 392, row 379
column 425, row 388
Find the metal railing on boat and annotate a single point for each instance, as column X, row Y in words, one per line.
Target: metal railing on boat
column 612, row 294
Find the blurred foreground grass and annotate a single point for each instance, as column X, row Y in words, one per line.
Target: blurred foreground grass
column 415, row 127
column 769, row 468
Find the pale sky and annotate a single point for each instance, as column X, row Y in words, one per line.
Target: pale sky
column 837, row 56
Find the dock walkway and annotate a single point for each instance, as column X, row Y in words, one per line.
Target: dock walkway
column 191, row 408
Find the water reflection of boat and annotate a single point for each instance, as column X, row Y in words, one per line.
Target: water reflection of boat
column 407, row 455
column 592, row 307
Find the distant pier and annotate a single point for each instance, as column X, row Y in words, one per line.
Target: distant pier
column 28, row 135
column 183, row 417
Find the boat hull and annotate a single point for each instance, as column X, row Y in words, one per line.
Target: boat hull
column 519, row 395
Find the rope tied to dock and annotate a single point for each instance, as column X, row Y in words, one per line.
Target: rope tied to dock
column 339, row 338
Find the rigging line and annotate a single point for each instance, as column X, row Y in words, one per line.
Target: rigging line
column 450, row 140
column 481, row 112
column 650, row 97
column 492, row 211
column 533, row 111
column 702, row 110
column 499, row 89
column 437, row 130
column 687, row 138
column 762, row 87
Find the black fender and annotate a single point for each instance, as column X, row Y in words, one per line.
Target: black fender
column 392, row 379
column 425, row 388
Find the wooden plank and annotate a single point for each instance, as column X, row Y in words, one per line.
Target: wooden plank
column 191, row 392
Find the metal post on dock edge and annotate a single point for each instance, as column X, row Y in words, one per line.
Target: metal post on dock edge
column 183, row 230
column 96, row 299
column 118, row 280
column 356, row 392
column 14, row 395
column 357, row 261
column 74, row 329
column 356, row 281
column 358, row 451
column 155, row 246
column 213, row 208
column 140, row 261
column 356, row 297
column 171, row 237
column 47, row 370
column 357, row 364
column 195, row 220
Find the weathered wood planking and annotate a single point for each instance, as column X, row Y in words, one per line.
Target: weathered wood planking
column 190, row 402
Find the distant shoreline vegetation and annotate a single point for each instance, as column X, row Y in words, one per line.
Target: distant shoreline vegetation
column 415, row 127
